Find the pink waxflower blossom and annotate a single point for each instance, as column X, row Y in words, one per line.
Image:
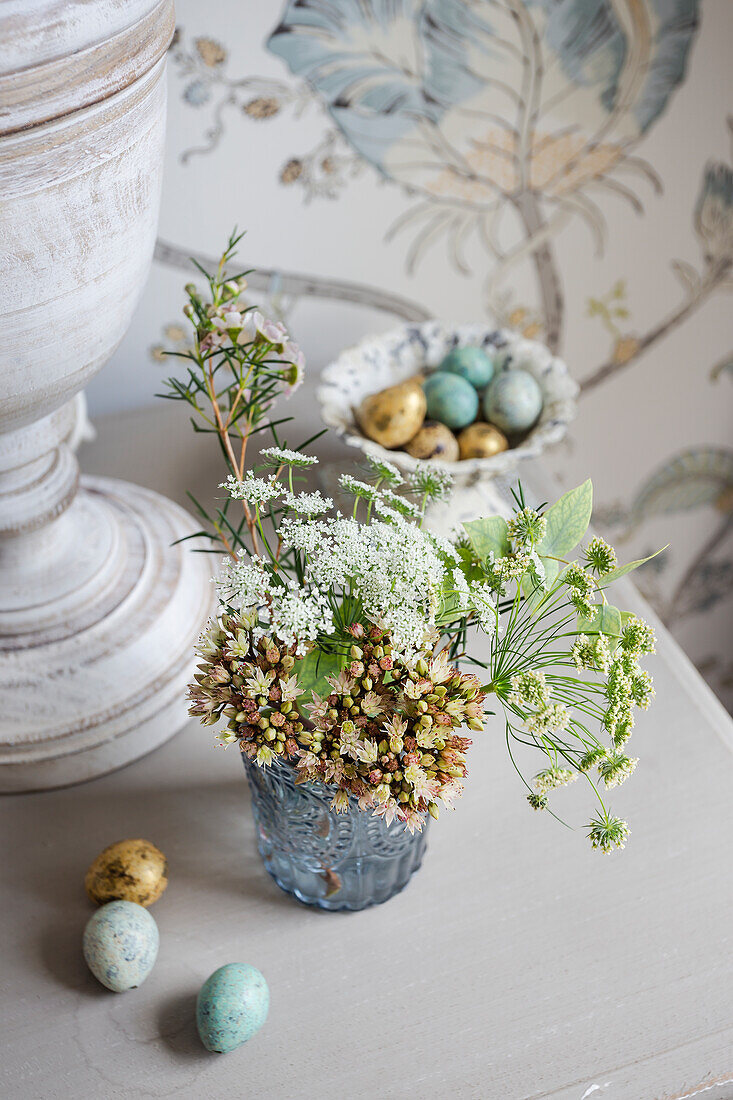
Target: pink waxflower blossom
column 295, row 359
column 272, row 331
column 228, row 319
column 212, row 340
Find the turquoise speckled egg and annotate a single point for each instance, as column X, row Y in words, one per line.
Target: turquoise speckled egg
column 513, row 401
column 121, row 945
column 473, row 364
column 231, row 1007
column 451, row 399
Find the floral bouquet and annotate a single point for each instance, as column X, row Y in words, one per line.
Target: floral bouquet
column 357, row 649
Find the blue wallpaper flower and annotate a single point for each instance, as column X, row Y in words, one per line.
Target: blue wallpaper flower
column 428, row 89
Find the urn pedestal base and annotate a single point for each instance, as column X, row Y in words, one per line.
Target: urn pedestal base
column 96, row 677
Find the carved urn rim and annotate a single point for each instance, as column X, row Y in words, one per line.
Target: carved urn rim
column 89, row 62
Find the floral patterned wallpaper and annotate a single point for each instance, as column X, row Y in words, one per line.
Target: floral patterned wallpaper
column 563, row 166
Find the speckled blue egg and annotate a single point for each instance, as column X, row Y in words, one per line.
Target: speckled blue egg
column 473, row 364
column 513, row 401
column 121, row 945
column 231, row 1007
column 451, row 399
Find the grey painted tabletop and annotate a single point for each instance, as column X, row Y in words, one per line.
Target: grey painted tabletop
column 517, row 965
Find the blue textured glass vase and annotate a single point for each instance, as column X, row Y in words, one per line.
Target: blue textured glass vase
column 334, row 861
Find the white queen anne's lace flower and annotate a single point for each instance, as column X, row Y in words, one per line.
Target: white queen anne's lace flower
column 385, row 471
column 357, row 488
column 243, row 583
column 297, row 616
column 255, row 490
column 393, row 568
column 283, row 456
column 308, row 504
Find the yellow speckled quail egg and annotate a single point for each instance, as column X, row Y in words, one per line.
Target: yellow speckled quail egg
column 393, row 416
column 481, row 440
column 434, row 440
column 129, row 870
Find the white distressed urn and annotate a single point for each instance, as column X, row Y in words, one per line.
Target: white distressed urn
column 98, row 610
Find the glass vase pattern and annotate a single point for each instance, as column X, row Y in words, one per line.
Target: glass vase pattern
column 333, row 861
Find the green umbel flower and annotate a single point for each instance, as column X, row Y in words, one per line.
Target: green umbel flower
column 600, row 557
column 526, row 527
column 608, row 833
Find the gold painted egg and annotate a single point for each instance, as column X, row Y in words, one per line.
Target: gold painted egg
column 434, row 440
column 130, row 870
column 393, row 416
column 481, row 440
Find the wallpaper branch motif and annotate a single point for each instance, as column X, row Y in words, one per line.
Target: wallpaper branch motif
column 713, row 223
column 300, row 286
column 711, row 280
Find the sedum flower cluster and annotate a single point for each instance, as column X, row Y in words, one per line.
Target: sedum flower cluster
column 250, row 685
column 384, row 733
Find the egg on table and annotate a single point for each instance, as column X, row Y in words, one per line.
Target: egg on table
column 393, row 416
column 450, row 399
column 231, row 1007
column 513, row 401
column 129, row 870
column 434, row 440
column 120, row 945
column 472, row 364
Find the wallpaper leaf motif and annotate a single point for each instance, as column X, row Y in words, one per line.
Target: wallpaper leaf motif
column 463, row 101
column 690, row 480
column 699, row 476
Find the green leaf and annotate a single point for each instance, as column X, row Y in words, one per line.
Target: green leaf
column 312, row 671
column 450, row 609
column 488, row 535
column 622, row 570
column 607, row 621
column 468, row 565
column 567, row 522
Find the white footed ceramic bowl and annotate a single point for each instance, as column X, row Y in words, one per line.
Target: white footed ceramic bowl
column 381, row 361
